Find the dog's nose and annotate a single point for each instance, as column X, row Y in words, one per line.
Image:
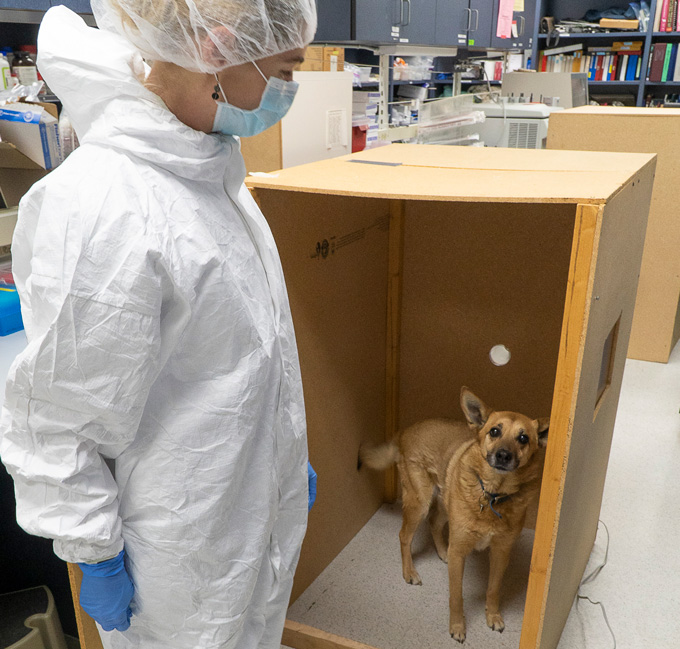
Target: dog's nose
column 503, row 456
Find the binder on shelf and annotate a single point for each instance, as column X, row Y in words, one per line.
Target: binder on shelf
column 563, row 50
column 671, row 62
column 658, row 56
column 627, row 46
column 664, row 16
column 666, row 60
column 657, row 16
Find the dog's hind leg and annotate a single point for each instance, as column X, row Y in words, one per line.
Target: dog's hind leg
column 416, row 499
column 438, row 522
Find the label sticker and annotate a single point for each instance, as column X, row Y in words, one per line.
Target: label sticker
column 328, row 246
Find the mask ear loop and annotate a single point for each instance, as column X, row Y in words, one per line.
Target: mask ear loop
column 218, row 87
column 260, row 71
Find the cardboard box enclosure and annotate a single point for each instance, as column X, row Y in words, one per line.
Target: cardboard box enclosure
column 405, row 265
column 656, row 323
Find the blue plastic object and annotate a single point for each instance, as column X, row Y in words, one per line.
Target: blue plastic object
column 10, row 311
column 311, row 481
column 106, row 593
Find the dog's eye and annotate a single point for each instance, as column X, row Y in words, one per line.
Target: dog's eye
column 523, row 439
column 495, row 432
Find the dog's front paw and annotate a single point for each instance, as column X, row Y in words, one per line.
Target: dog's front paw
column 457, row 631
column 413, row 578
column 495, row 622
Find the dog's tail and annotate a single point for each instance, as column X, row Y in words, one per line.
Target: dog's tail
column 378, row 457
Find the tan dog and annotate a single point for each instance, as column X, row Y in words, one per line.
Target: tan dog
column 482, row 477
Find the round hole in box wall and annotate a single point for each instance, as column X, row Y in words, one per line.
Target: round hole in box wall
column 499, row 355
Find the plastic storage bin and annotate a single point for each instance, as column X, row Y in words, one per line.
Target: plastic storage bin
column 10, row 311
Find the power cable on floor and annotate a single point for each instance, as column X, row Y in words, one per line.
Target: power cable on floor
column 591, row 577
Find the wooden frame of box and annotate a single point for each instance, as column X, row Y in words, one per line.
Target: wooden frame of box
column 404, row 266
column 656, row 321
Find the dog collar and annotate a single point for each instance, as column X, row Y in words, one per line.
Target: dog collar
column 490, row 499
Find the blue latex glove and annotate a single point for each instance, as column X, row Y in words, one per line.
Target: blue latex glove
column 106, row 592
column 311, row 481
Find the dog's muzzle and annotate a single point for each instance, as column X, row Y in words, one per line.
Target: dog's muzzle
column 502, row 460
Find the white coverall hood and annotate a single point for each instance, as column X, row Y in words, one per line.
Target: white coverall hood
column 160, row 340
column 99, row 76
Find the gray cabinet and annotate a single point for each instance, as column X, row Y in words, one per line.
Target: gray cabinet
column 334, row 20
column 377, row 21
column 79, row 6
column 524, row 22
column 465, row 23
column 461, row 23
column 37, row 5
column 452, row 22
column 418, row 20
column 481, row 22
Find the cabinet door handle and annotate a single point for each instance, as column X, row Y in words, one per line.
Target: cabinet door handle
column 469, row 20
column 408, row 19
column 521, row 31
column 401, row 13
column 476, row 19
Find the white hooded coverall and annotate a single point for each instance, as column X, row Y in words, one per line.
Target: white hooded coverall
column 159, row 337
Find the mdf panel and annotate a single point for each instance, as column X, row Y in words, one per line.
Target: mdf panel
column 656, row 320
column 87, row 629
column 598, row 320
column 474, row 276
column 334, row 252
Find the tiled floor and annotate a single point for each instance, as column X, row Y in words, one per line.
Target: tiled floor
column 639, row 586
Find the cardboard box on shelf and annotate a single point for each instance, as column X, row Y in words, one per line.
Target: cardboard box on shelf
column 34, row 130
column 18, row 168
column 324, row 59
column 615, row 23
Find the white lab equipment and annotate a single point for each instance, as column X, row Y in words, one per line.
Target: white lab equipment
column 516, row 126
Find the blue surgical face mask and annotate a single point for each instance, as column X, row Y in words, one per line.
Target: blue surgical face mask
column 276, row 100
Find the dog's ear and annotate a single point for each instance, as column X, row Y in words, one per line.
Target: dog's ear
column 543, row 427
column 475, row 410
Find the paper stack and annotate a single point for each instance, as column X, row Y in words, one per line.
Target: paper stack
column 365, row 113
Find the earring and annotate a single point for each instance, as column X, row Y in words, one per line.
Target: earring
column 215, row 94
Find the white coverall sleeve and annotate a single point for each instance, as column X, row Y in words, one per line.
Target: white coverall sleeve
column 77, row 393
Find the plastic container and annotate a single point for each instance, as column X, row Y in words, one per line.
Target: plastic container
column 5, row 73
column 359, row 138
column 10, row 311
column 25, row 68
column 69, row 139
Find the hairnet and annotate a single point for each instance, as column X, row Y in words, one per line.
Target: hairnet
column 209, row 35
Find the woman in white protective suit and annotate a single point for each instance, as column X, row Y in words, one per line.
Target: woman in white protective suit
column 154, row 425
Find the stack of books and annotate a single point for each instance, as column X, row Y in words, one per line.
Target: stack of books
column 620, row 61
column 664, row 63
column 667, row 16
